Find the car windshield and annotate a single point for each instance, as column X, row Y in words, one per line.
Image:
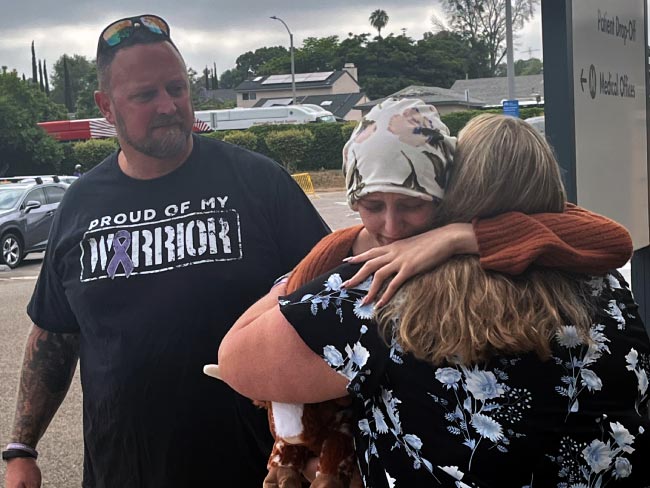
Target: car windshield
column 327, row 118
column 9, row 197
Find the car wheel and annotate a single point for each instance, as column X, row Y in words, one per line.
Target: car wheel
column 12, row 250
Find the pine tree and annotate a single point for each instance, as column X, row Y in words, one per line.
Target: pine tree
column 47, row 83
column 206, row 74
column 40, row 76
column 215, row 78
column 67, row 88
column 34, row 69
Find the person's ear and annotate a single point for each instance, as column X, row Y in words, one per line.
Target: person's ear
column 103, row 102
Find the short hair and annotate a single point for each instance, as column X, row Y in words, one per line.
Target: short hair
column 106, row 54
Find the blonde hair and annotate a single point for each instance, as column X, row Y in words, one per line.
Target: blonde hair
column 460, row 311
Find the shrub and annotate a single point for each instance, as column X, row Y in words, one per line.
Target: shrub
column 290, row 147
column 457, row 120
column 347, row 129
column 326, row 150
column 217, row 134
column 244, row 139
column 90, row 153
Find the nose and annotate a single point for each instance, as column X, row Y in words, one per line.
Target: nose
column 166, row 104
column 393, row 225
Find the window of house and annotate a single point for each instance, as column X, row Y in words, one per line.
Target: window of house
column 249, row 96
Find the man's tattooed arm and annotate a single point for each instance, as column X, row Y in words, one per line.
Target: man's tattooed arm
column 47, row 371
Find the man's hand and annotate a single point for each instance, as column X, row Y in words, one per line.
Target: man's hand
column 22, row 473
column 409, row 257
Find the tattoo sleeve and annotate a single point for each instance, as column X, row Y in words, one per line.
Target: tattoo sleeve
column 48, row 367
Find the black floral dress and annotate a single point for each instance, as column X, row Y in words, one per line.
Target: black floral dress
column 578, row 420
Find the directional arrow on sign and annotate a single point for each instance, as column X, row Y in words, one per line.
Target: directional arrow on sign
column 583, row 80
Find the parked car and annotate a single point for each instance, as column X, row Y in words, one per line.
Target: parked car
column 27, row 207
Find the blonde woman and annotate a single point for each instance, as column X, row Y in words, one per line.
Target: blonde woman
column 473, row 378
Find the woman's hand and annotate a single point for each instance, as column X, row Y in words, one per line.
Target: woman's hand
column 408, row 257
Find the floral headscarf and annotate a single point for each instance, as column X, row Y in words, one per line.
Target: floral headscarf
column 401, row 146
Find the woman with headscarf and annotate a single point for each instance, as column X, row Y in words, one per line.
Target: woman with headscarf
column 470, row 395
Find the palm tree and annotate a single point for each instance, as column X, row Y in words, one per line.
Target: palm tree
column 378, row 19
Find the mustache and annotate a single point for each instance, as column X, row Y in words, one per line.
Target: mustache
column 165, row 120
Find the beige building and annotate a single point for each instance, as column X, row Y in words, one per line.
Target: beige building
column 277, row 90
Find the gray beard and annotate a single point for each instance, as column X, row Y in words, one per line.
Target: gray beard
column 168, row 146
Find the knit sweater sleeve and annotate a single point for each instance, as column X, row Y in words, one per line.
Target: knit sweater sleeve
column 576, row 240
column 327, row 254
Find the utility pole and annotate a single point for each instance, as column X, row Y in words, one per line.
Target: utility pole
column 293, row 67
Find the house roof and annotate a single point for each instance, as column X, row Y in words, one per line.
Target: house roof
column 432, row 95
column 495, row 90
column 283, row 82
column 339, row 104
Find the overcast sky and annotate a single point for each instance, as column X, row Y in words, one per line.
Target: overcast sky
column 210, row 31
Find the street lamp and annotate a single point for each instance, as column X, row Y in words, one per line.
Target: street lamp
column 293, row 68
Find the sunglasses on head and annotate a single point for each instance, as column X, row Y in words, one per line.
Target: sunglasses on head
column 122, row 29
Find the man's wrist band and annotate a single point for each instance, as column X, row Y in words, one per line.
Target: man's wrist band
column 17, row 449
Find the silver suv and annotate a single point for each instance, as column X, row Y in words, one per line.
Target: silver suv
column 27, row 207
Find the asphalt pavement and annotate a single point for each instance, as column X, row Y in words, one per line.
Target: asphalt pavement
column 61, row 449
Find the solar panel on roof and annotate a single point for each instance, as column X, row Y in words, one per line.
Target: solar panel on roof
column 258, row 78
column 275, row 79
column 320, row 76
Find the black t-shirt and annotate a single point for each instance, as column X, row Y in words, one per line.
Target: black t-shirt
column 576, row 420
column 151, row 274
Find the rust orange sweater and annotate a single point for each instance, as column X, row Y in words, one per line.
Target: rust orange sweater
column 576, row 240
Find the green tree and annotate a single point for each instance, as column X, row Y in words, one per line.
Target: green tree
column 86, row 108
column 25, row 148
column 34, row 69
column 231, row 78
column 523, row 67
column 484, row 21
column 378, row 19
column 81, row 72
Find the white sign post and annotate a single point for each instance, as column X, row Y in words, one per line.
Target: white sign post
column 609, row 92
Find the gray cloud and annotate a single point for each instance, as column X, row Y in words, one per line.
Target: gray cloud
column 206, row 31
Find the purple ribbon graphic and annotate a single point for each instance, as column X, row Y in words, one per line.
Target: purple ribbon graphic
column 121, row 243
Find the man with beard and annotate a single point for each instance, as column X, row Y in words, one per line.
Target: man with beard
column 153, row 255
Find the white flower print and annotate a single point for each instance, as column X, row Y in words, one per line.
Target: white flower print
column 358, row 355
column 598, row 455
column 483, row 384
column 413, row 441
column 614, row 284
column 622, row 437
column 486, row 427
column 616, row 313
column 334, row 282
column 483, row 405
column 591, row 380
column 622, row 468
column 632, row 359
column 568, row 337
column 364, row 311
column 333, row 356
column 365, row 285
column 390, row 479
column 380, row 422
column 448, row 377
column 332, row 293
column 603, row 459
column 453, row 471
column 576, row 361
column 634, row 364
